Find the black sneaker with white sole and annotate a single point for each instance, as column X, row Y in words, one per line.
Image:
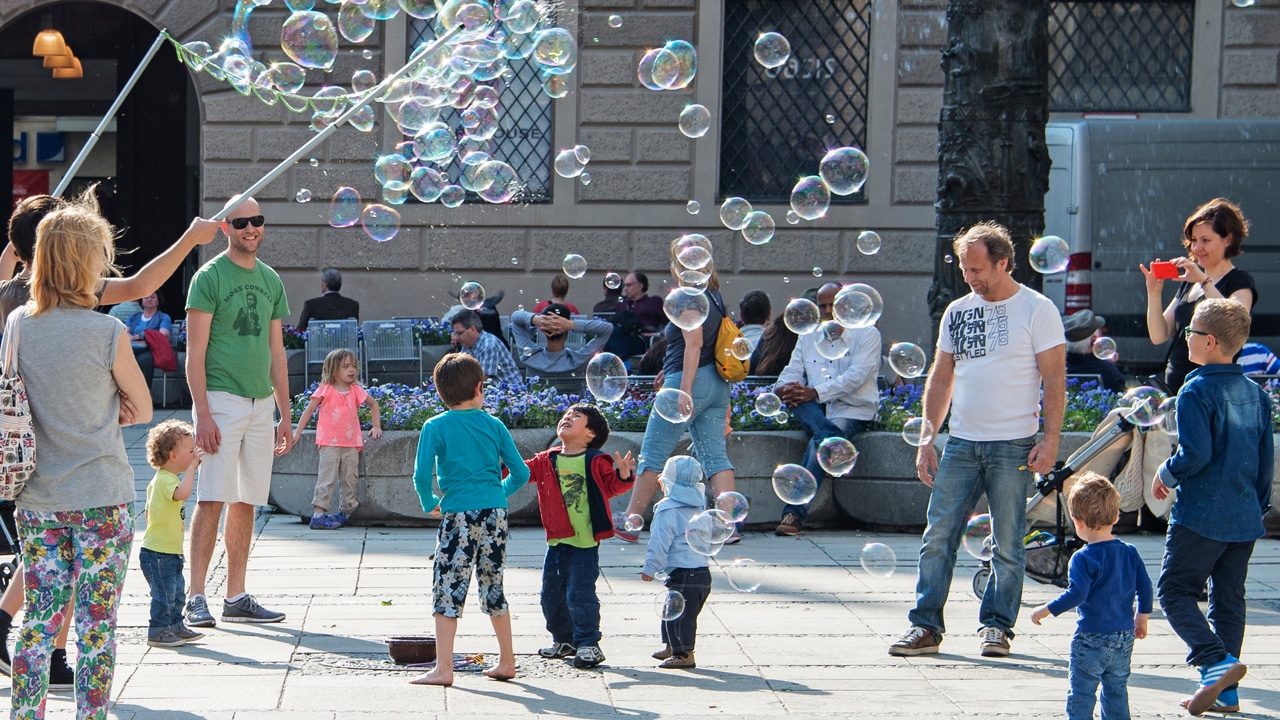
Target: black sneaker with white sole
column 588, row 656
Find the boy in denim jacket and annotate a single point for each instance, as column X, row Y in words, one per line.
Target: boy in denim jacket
column 1222, row 470
column 668, row 550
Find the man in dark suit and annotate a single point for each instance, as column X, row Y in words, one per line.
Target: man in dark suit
column 330, row 305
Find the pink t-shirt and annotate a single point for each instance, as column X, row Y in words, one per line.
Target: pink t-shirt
column 337, row 424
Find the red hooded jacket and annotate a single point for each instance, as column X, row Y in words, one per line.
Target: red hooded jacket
column 602, row 483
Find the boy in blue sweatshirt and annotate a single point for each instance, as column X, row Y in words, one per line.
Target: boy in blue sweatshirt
column 1222, row 471
column 1105, row 577
column 687, row 571
column 466, row 449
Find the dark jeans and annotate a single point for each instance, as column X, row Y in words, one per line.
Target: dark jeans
column 695, row 585
column 569, row 601
column 1190, row 559
column 146, row 363
column 168, row 591
column 813, row 418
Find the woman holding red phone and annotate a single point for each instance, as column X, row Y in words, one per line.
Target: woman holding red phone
column 1212, row 236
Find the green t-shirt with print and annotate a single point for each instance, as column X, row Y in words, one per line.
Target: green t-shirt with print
column 572, row 470
column 243, row 304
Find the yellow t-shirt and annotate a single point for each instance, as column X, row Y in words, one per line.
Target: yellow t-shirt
column 572, row 470
column 164, row 515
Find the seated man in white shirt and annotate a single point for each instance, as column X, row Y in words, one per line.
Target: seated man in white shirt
column 829, row 398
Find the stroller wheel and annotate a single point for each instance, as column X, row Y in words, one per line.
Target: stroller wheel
column 980, row 579
column 6, row 574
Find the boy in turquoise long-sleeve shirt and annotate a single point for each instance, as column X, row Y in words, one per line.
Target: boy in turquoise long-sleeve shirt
column 466, row 450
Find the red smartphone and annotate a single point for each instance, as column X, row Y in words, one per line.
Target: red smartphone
column 1164, row 270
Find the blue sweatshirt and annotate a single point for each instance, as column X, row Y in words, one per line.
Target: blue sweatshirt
column 1104, row 579
column 466, row 450
column 667, row 547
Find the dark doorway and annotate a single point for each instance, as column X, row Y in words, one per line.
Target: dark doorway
column 150, row 195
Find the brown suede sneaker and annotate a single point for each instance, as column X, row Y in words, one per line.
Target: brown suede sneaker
column 916, row 641
column 678, row 662
column 789, row 526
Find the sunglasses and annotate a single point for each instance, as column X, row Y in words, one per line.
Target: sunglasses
column 244, row 222
column 1188, row 332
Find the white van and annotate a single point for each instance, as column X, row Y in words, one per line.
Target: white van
column 1119, row 193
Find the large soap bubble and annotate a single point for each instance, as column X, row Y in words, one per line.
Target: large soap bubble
column 868, row 242
column 1049, row 254
column 380, row 222
column 355, row 25
column 1142, row 406
column 772, row 49
column 744, row 575
column 741, row 348
column 734, row 504
column 857, row 305
column 810, row 198
column 706, row 532
column 686, row 310
column 834, row 341
column 733, row 213
column 759, row 228
column 907, row 359
column 878, row 560
column 686, row 63
column 793, row 484
column 554, row 47
column 918, row 431
column 568, row 165
column 844, row 170
column 801, row 316
column 471, row 295
column 310, row 39
column 768, row 404
column 693, row 255
column 344, row 209
column 695, row 121
column 673, row 404
column 1104, row 348
column 978, row 540
column 837, row 456
column 669, row 605
column 607, row 377
column 574, row 265
column 1169, row 408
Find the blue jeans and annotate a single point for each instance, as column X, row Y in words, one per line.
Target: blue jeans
column 966, row 471
column 1189, row 560
column 569, row 602
column 813, row 418
column 706, row 427
column 1100, row 658
column 168, row 591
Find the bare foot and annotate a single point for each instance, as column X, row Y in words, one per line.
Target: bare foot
column 501, row 672
column 439, row 677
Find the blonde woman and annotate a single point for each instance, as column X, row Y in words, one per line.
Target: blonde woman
column 74, row 517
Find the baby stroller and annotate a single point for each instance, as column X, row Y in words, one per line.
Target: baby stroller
column 1051, row 541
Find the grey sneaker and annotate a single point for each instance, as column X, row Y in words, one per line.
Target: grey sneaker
column 197, row 612
column 247, row 610
column 188, row 634
column 916, row 641
column 558, row 650
column 995, row 642
column 588, row 656
column 166, row 639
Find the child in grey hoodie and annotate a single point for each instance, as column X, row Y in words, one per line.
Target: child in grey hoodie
column 668, row 550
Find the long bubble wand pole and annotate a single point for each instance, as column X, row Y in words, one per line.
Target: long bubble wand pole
column 319, row 137
column 70, row 174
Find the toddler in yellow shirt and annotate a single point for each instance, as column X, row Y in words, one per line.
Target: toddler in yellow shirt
column 171, row 450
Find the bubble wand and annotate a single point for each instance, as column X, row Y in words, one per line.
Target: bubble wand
column 356, row 105
column 70, row 174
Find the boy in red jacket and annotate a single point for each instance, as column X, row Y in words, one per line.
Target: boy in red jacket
column 575, row 483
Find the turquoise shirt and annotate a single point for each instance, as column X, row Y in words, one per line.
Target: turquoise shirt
column 466, row 449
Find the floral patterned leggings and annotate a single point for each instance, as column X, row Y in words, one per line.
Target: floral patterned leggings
column 84, row 550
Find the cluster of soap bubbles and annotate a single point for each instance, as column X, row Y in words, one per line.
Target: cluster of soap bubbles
column 1049, row 254
column 793, row 484
column 446, row 102
column 757, row 226
column 670, row 67
column 607, row 377
column 1144, row 406
column 572, row 163
column 842, row 171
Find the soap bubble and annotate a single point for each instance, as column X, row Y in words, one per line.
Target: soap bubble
column 669, row 605
column 694, row 256
column 555, row 86
column 355, row 25
column 744, row 575
column 810, row 199
column 781, row 418
column 878, row 560
column 1244, row 3
column 344, row 209
column 287, row 77
column 583, row 153
column 733, row 213
column 868, row 242
column 686, row 62
column 1169, row 408
column 695, row 121
column 772, row 50
column 917, row 431
column 310, row 39
column 633, row 523
column 607, row 377
column 380, row 222
column 837, row 456
column 907, row 359
column 741, row 348
column 978, row 540
column 794, row 485
column 817, row 271
column 673, row 404
column 392, row 171
column 693, row 207
column 568, row 165
column 615, row 21
column 501, row 180
column 702, row 532
column 554, row 47
column 1049, row 254
column 792, row 217
column 574, row 265
column 303, row 195
column 768, row 404
column 833, row 341
column 426, row 183
column 585, row 178
column 801, row 316
column 378, row 9
column 857, row 305
column 395, row 197
column 612, row 280
column 844, row 170
column 685, row 310
column 363, row 80
column 1104, row 348
column 759, row 228
column 471, row 295
column 1143, row 406
column 451, row 196
column 734, row 504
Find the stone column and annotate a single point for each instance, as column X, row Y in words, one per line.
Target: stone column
column 992, row 160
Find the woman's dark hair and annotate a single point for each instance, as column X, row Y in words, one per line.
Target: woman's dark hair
column 642, row 279
column 651, row 363
column 774, row 351
column 1226, row 221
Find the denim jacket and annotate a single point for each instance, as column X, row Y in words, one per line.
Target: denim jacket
column 1224, row 462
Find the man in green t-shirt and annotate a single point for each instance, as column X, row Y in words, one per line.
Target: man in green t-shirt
column 234, row 369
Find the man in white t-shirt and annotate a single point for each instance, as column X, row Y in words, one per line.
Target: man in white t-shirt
column 997, row 347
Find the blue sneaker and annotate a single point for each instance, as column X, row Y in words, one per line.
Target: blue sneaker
column 325, row 522
column 1215, row 680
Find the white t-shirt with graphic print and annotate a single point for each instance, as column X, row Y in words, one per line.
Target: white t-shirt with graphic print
column 996, row 394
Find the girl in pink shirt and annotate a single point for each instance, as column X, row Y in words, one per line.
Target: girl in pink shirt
column 338, row 436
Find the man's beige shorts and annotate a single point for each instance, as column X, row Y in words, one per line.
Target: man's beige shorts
column 240, row 472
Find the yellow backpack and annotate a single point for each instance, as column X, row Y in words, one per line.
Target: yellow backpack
column 727, row 364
